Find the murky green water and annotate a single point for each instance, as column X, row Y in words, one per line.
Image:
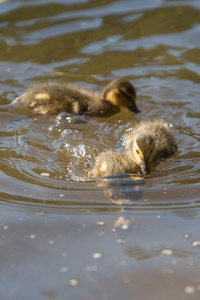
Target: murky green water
column 64, row 236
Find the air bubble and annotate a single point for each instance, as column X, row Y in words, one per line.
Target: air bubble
column 64, row 118
column 54, row 128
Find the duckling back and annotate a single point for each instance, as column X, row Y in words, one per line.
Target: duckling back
column 54, row 97
column 112, row 162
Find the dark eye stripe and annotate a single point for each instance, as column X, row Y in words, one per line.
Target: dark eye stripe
column 130, row 90
column 129, row 98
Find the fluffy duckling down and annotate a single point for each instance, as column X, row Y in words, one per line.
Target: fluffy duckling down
column 49, row 98
column 150, row 141
column 112, row 162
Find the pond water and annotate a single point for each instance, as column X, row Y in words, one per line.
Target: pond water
column 64, row 236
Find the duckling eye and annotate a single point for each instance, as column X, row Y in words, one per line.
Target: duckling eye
column 137, row 151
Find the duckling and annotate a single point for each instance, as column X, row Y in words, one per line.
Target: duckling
column 112, row 162
column 49, row 98
column 148, row 142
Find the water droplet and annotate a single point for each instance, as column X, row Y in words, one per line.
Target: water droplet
column 45, row 174
column 167, row 252
column 120, row 241
column 196, row 244
column 101, row 223
column 190, row 289
column 125, row 226
column 187, row 235
column 32, row 236
column 74, row 282
column 97, row 255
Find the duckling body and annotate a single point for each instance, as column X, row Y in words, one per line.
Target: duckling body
column 49, row 98
column 112, row 162
column 148, row 142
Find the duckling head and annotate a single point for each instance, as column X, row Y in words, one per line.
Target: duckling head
column 144, row 150
column 120, row 92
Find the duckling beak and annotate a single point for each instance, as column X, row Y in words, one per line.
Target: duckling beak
column 134, row 108
column 144, row 167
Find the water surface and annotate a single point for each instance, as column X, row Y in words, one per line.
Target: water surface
column 63, row 235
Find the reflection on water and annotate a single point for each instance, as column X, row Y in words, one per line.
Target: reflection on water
column 61, row 232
